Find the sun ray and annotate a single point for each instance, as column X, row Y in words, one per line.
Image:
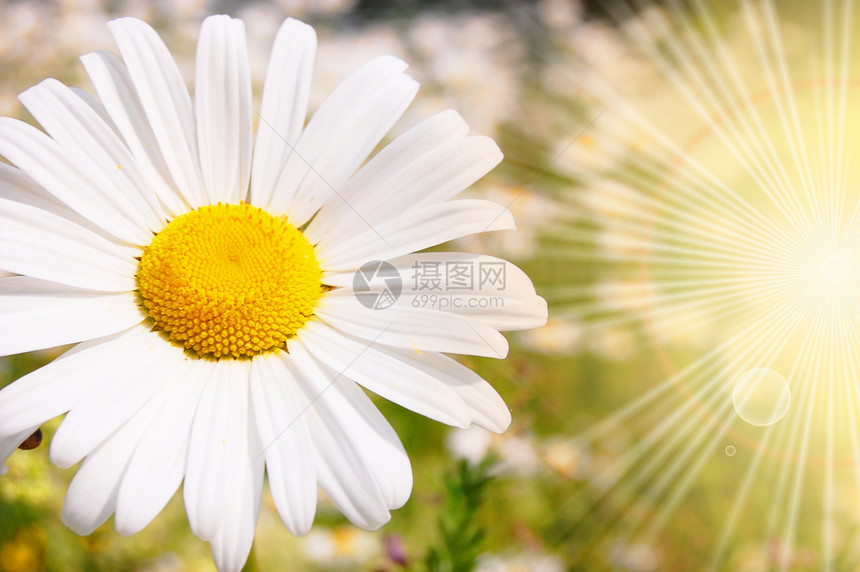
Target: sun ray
column 706, row 377
column 740, row 220
column 765, row 354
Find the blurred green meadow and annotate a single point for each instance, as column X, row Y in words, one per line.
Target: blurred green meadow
column 581, row 480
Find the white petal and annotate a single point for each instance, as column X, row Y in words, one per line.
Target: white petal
column 37, row 243
column 92, row 494
column 479, row 287
column 218, row 437
column 415, row 230
column 409, row 267
column 431, row 167
column 441, row 129
column 385, row 373
column 97, row 107
column 16, row 186
column 361, row 463
column 86, row 190
column 410, row 328
column 232, row 543
column 158, row 464
column 486, row 406
column 514, row 311
column 222, row 105
column 38, row 314
column 117, row 93
column 97, row 149
column 165, row 101
column 340, row 136
column 278, row 409
column 285, row 102
column 58, row 386
column 120, row 391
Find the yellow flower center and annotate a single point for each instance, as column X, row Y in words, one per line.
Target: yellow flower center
column 229, row 280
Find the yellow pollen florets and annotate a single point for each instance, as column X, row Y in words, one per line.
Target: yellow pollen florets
column 229, row 280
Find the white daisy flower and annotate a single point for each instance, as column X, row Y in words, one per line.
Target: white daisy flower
column 208, row 275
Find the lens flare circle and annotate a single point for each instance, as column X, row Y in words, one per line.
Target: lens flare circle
column 761, row 397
